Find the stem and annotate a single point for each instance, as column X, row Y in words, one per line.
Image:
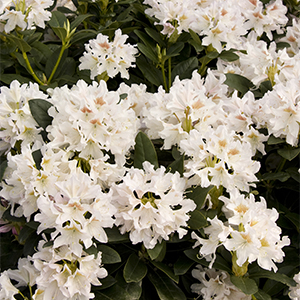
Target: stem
column 170, row 72
column 164, row 77
column 31, row 70
column 62, row 50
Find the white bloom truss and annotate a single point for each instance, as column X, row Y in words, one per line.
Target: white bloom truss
column 151, row 205
column 111, row 57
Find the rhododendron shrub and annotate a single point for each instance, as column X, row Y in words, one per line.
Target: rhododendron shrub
column 149, row 149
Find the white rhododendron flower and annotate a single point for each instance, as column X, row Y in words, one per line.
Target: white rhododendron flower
column 251, row 232
column 89, row 119
column 65, row 275
column 7, row 289
column 110, row 57
column 151, row 205
column 215, row 285
column 16, row 121
column 24, row 14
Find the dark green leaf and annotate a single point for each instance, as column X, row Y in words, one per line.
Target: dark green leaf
column 134, row 289
column 265, row 86
column 158, row 252
column 8, row 78
column 175, row 49
column 149, row 71
column 228, row 56
column 52, row 60
column 166, row 269
column 37, row 157
column 83, row 36
column 185, row 68
column 272, row 140
column 289, row 153
column 107, row 282
column 282, row 45
column 182, row 265
column 295, row 219
column 238, row 82
column 114, row 292
column 261, row 295
column 58, row 20
column 146, row 39
column 3, row 167
column 20, row 43
column 293, row 172
column 148, row 52
column 39, row 110
column 156, row 36
column 25, row 233
column 198, row 194
column 246, row 285
column 166, row 288
column 177, row 166
column 195, row 37
column 197, row 219
column 279, row 277
column 135, row 269
column 109, row 255
column 281, row 176
column 114, row 235
column 144, row 151
column 193, row 254
column 79, row 19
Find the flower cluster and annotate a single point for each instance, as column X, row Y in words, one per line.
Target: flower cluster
column 24, row 14
column 251, row 232
column 218, row 21
column 110, row 58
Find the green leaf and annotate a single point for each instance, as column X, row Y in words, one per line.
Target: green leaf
column 281, row 176
column 185, row 68
column 37, row 157
column 144, row 151
column 289, row 153
column 247, row 285
column 21, row 44
column 82, row 36
column 114, row 235
column 3, row 167
column 261, row 295
column 79, row 19
column 148, row 52
column 166, row 288
column 8, row 78
column 134, row 289
column 39, row 110
column 182, row 265
column 135, row 270
column 295, row 219
column 228, row 55
column 174, row 50
column 156, row 36
column 196, row 42
column 238, row 82
column 158, row 252
column 51, row 62
column 272, row 140
column 25, row 233
column 107, row 282
column 197, row 219
column 146, row 39
column 193, row 254
column 115, row 292
column 177, row 166
column 166, row 269
column 198, row 194
column 109, row 255
column 58, row 19
column 279, row 277
column 149, row 71
column 293, row 172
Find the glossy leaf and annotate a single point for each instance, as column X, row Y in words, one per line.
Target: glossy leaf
column 144, row 151
column 185, row 68
column 238, row 82
column 165, row 287
column 182, row 265
column 289, row 153
column 109, row 255
column 246, row 285
column 135, row 269
column 39, row 110
column 167, row 270
column 158, row 252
